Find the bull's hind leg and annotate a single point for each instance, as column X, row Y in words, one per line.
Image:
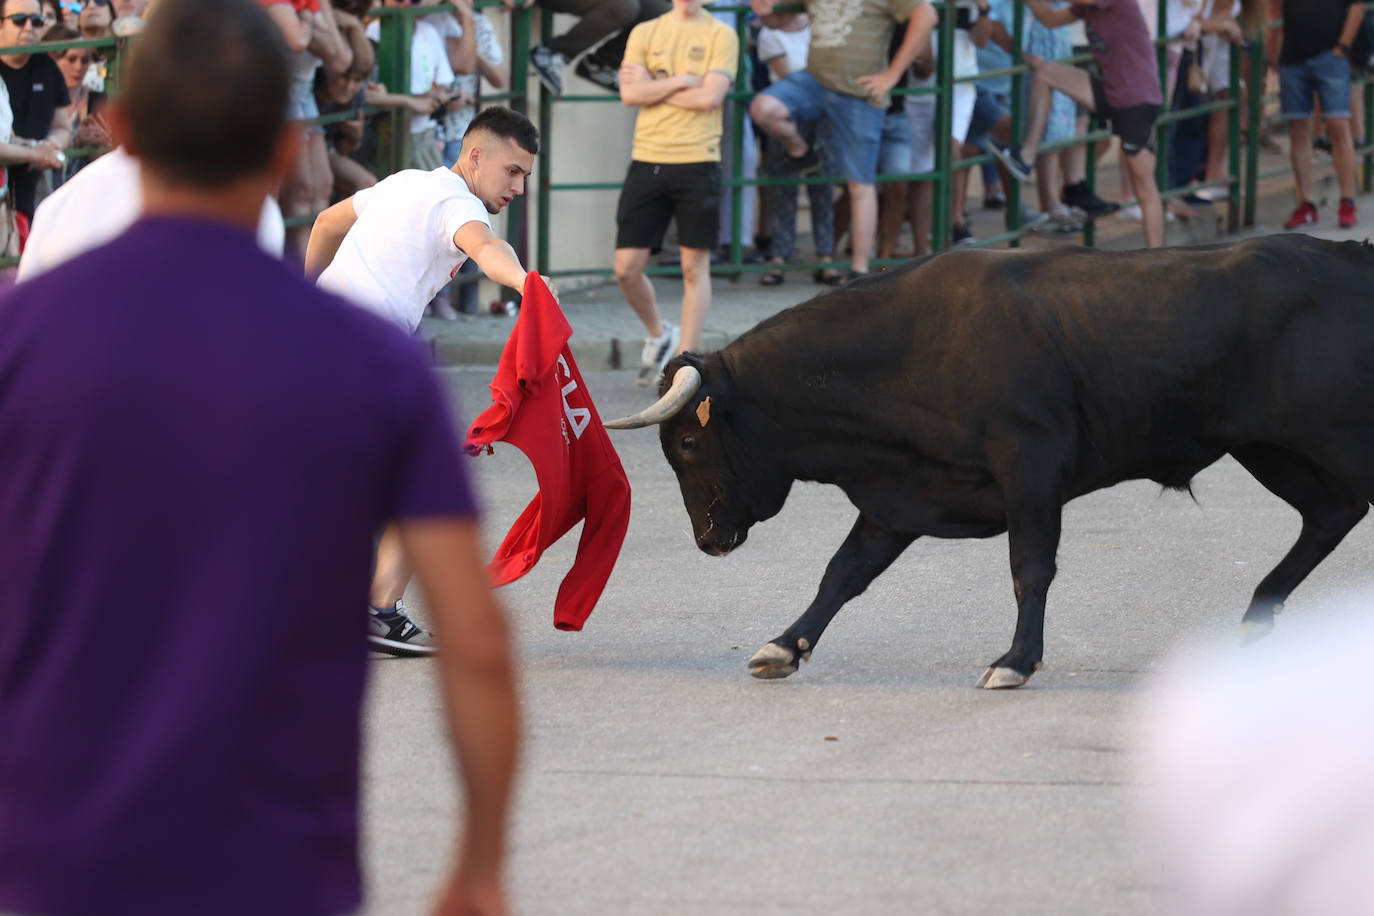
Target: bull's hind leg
column 865, row 553
column 1329, row 509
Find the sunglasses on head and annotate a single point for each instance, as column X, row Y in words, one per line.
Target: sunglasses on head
column 19, row 19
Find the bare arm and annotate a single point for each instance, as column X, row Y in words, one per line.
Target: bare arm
column 376, row 94
column 327, row 234
column 327, row 43
column 1353, row 16
column 493, row 255
column 762, row 8
column 491, row 72
column 983, row 29
column 478, row 678
column 638, row 89
column 709, row 96
column 462, row 51
column 777, row 66
column 919, row 25
column 1001, row 37
column 293, row 28
column 60, row 130
column 1052, row 18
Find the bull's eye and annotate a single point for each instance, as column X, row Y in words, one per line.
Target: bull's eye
column 689, row 443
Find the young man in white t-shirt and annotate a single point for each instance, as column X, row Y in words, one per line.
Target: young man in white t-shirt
column 391, row 247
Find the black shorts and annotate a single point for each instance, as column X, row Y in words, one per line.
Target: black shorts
column 1135, row 125
column 654, row 194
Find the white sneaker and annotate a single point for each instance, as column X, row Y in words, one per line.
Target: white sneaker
column 657, row 351
column 1131, row 213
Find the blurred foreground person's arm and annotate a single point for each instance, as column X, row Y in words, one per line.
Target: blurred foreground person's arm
column 479, row 694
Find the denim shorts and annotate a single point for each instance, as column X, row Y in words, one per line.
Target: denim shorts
column 1327, row 75
column 988, row 109
column 894, row 150
column 856, row 127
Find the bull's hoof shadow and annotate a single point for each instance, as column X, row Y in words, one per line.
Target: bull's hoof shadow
column 996, row 678
column 773, row 661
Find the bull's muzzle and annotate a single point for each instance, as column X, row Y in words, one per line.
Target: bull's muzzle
column 686, row 382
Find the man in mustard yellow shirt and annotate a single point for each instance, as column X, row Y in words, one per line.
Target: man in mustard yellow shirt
column 677, row 70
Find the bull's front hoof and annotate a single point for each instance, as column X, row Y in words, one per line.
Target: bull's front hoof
column 1002, row 678
column 773, row 661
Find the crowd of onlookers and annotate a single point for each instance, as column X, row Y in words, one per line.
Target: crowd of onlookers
column 810, row 116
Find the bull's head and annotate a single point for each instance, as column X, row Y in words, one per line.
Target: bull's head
column 724, row 490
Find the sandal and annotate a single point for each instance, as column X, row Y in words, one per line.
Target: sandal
column 770, row 278
column 828, row 276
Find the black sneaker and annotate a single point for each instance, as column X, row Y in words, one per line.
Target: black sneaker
column 393, row 632
column 1011, row 158
column 548, row 66
column 994, row 200
column 1081, row 196
column 593, row 71
column 962, row 235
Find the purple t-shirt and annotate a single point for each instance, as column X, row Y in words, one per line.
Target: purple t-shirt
column 196, row 450
column 1125, row 54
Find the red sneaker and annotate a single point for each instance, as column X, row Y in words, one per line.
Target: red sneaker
column 1305, row 215
column 1348, row 218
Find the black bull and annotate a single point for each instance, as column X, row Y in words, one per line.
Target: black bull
column 977, row 392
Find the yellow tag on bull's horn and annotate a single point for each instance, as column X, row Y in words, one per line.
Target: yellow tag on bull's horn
column 704, row 411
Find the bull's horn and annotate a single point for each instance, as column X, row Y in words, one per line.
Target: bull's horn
column 686, row 381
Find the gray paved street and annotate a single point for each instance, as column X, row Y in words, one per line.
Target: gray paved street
column 659, row 778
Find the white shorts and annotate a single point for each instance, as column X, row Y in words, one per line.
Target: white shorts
column 920, row 114
column 1216, row 62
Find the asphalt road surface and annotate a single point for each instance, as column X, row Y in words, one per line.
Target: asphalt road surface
column 660, row 778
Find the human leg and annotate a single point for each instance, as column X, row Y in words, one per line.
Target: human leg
column 696, row 295
column 782, row 107
column 1141, row 166
column 596, row 20
column 856, row 127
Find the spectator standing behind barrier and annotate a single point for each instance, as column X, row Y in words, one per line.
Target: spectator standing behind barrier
column 596, row 21
column 1127, row 95
column 94, row 19
column 314, row 40
column 1314, row 61
column 846, row 81
column 38, row 99
column 782, row 48
column 677, row 70
column 160, row 755
column 88, row 122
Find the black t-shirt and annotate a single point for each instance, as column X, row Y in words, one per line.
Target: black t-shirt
column 36, row 91
column 1311, row 27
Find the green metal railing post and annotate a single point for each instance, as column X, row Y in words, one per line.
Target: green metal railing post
column 393, row 63
column 518, row 220
column 1368, row 133
column 1233, row 145
column 1161, row 130
column 520, row 83
column 1018, row 24
column 737, row 112
column 944, row 81
column 1254, row 95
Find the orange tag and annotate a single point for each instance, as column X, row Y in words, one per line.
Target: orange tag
column 704, row 411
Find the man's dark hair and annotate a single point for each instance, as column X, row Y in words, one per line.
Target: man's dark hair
column 223, row 123
column 507, row 123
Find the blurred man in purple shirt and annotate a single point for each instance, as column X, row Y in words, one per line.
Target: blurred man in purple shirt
column 189, row 489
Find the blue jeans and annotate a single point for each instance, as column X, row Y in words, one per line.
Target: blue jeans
column 1327, row 75
column 855, row 125
column 894, row 148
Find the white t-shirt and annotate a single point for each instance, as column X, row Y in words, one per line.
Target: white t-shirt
column 429, row 67
column 97, row 204
column 400, row 252
column 793, row 45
